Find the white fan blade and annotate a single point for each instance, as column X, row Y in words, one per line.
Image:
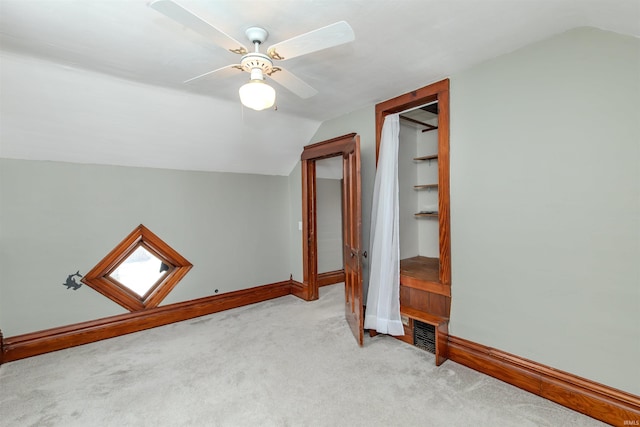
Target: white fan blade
column 293, row 83
column 313, row 41
column 190, row 20
column 220, row 72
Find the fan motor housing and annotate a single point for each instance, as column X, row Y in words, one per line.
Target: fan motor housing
column 256, row 60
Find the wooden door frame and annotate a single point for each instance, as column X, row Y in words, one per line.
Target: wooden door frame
column 322, row 150
column 438, row 91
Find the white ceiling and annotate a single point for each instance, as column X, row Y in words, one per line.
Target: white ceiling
column 400, row 45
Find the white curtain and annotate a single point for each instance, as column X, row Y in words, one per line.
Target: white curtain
column 383, row 299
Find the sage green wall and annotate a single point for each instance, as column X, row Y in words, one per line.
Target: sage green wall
column 57, row 218
column 545, row 205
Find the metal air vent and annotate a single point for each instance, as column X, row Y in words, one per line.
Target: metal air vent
column 424, row 336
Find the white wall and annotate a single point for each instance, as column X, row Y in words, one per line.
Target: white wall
column 407, row 195
column 428, row 228
column 418, row 235
column 545, row 205
column 57, row 218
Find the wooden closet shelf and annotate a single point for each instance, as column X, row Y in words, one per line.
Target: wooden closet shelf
column 420, row 267
column 422, row 316
column 426, row 215
column 425, row 186
column 418, row 122
column 433, row 157
column 423, row 273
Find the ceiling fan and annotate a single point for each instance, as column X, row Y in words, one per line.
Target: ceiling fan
column 257, row 94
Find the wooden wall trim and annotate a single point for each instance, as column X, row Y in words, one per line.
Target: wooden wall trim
column 299, row 290
column 35, row 343
column 100, row 280
column 330, row 148
column 579, row 394
column 331, row 277
column 444, row 194
column 438, row 91
column 334, row 147
column 309, row 230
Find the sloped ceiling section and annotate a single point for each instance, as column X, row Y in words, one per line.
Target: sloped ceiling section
column 101, row 81
column 53, row 112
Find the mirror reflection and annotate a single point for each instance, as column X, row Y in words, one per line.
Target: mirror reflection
column 140, row 271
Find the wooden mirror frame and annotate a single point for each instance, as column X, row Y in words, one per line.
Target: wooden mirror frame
column 99, row 277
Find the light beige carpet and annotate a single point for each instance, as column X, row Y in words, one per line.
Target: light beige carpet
column 283, row 362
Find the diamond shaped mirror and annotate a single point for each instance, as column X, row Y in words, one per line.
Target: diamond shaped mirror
column 139, row 272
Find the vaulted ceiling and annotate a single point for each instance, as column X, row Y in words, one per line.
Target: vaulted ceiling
column 62, row 58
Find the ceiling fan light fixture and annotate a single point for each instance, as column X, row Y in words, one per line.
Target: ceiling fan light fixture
column 256, row 94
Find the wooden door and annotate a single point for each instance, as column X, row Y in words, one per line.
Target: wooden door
column 347, row 146
column 352, row 236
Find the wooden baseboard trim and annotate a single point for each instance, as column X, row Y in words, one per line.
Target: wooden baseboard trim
column 32, row 344
column 601, row 402
column 299, row 290
column 331, row 277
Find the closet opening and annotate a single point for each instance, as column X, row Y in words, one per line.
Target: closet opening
column 424, row 218
column 329, row 227
column 418, row 191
